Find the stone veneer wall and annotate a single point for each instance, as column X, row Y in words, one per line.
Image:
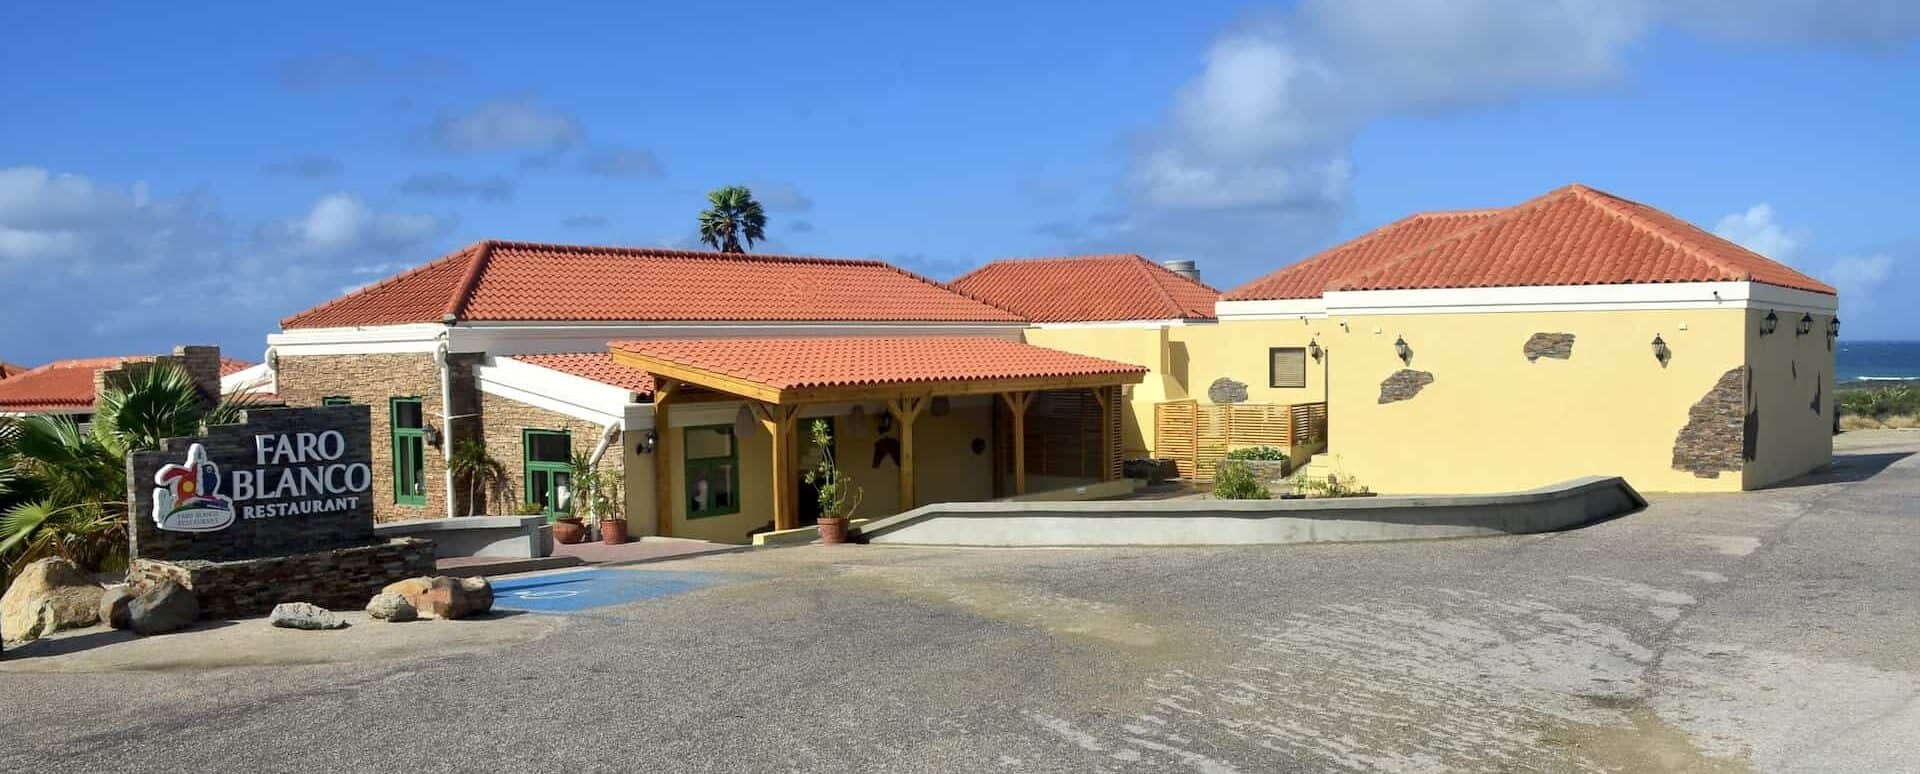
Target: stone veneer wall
column 342, row 579
column 1715, row 439
column 201, row 363
column 375, row 379
column 505, row 418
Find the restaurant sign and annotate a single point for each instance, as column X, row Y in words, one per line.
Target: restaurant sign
column 283, row 481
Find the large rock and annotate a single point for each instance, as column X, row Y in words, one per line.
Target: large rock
column 48, row 595
column 414, row 590
column 116, row 607
column 458, row 597
column 166, row 607
column 387, row 606
column 304, row 615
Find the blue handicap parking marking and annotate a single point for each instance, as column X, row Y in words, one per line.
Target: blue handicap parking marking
column 571, row 592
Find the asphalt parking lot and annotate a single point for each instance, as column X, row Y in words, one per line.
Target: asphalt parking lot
column 1770, row 631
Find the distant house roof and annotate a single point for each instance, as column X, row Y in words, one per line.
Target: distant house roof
column 595, row 366
column 1089, row 288
column 1310, row 277
column 786, row 364
column 8, row 369
column 1574, row 235
column 66, row 386
column 517, row 281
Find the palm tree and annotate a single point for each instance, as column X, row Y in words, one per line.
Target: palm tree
column 63, row 490
column 483, row 474
column 733, row 214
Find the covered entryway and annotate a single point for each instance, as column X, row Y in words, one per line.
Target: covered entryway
column 907, row 380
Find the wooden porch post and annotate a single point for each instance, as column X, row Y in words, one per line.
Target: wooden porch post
column 1017, row 403
column 905, row 410
column 779, row 421
column 663, row 391
column 1105, row 400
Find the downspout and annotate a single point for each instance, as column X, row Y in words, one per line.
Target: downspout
column 446, row 419
column 600, row 450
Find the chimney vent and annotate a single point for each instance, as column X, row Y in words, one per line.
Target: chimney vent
column 1184, row 269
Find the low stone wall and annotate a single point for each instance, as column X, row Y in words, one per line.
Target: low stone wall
column 1250, row 522
column 341, row 579
column 510, row 537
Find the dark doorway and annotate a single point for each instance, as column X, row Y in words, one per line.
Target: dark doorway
column 809, row 457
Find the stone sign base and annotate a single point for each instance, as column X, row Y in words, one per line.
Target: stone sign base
column 340, row 579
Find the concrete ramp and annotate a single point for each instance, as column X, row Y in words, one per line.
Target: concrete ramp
column 1258, row 522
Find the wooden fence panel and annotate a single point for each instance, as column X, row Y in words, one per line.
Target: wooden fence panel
column 1198, row 437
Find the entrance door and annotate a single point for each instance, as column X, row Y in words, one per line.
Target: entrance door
column 809, row 511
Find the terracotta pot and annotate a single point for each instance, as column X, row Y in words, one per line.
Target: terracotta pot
column 833, row 531
column 613, row 532
column 569, row 531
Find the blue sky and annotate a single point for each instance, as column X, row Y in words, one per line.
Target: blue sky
column 174, row 174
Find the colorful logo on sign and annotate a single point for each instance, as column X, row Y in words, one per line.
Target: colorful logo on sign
column 186, row 497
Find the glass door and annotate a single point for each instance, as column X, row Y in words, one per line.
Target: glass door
column 549, row 471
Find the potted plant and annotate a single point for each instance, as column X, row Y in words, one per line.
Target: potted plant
column 598, row 495
column 835, row 491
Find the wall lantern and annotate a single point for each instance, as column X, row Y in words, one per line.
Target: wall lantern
column 647, row 444
column 432, row 435
column 1769, row 323
column 1400, row 348
column 1833, row 331
column 1805, row 327
column 1313, row 348
column 1660, row 350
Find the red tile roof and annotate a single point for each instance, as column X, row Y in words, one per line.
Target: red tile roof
column 596, row 366
column 1574, row 235
column 8, row 369
column 1089, row 288
column 789, row 363
column 517, row 281
column 66, row 386
column 1310, row 277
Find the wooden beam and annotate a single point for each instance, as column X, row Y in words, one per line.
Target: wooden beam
column 1101, row 396
column 779, row 422
column 905, row 411
column 1017, row 403
column 663, row 499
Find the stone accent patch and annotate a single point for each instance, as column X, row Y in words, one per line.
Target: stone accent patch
column 343, row 578
column 1714, row 440
column 1403, row 385
column 1225, row 390
column 1558, row 346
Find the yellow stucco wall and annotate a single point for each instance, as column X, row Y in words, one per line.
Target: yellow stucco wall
column 946, row 469
column 1142, row 346
column 1790, row 370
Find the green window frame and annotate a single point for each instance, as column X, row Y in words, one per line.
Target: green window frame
column 720, row 472
column 547, row 467
column 407, row 418
column 336, row 400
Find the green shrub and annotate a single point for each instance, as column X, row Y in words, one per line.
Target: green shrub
column 1262, row 453
column 1334, row 485
column 1880, row 402
column 1234, row 480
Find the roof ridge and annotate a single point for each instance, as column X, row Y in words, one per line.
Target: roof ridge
column 1500, row 215
column 370, row 287
column 677, row 252
column 1158, row 275
column 457, row 301
column 948, row 287
column 1611, row 205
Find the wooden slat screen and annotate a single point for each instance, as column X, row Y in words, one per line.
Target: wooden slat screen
column 1197, row 437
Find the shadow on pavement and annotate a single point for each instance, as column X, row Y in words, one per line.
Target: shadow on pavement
column 1846, row 469
column 61, row 644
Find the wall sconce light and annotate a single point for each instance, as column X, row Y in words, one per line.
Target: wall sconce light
column 1313, row 348
column 1833, row 331
column 1769, row 323
column 1400, row 348
column 1805, row 327
column 432, row 435
column 1660, row 350
column 648, row 443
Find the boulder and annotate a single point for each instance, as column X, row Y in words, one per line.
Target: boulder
column 458, row 597
column 166, row 607
column 304, row 615
column 388, row 606
column 48, row 595
column 414, row 590
column 116, row 607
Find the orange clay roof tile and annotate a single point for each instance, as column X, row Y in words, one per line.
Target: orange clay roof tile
column 516, row 281
column 1310, row 277
column 67, row 385
column 1089, row 288
column 790, row 363
column 596, row 366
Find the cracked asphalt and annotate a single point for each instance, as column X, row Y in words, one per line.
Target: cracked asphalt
column 1767, row 631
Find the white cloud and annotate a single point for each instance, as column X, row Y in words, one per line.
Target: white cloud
column 452, row 186
column 1258, row 145
column 1759, row 231
column 520, row 123
column 340, row 223
column 781, row 197
column 629, row 163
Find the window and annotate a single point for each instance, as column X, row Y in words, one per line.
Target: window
column 409, row 451
column 713, row 471
column 1287, row 367
column 549, row 470
column 336, row 400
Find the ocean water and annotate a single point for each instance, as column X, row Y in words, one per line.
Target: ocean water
column 1877, row 360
